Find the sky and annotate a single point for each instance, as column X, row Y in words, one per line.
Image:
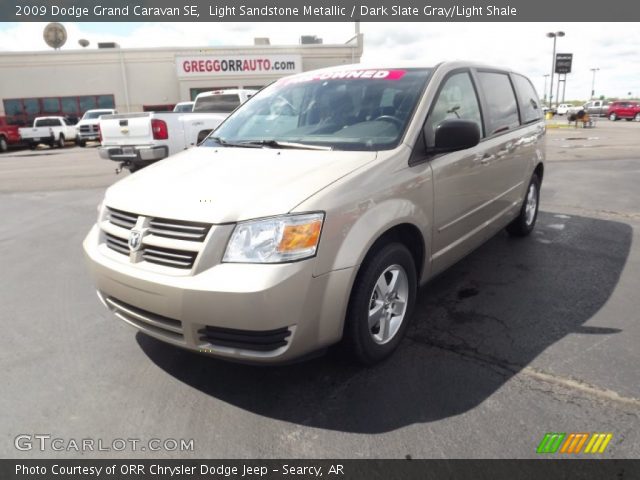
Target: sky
column 614, row 48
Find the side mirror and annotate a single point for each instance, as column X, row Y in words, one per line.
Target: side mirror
column 456, row 134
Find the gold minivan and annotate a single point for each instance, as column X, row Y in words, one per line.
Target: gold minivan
column 316, row 210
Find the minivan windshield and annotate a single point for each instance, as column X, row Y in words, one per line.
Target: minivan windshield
column 351, row 109
column 96, row 114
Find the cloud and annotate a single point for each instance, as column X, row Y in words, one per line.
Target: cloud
column 614, row 48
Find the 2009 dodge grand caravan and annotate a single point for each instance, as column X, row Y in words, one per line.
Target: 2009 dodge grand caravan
column 314, row 212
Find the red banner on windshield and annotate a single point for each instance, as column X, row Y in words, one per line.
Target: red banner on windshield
column 372, row 74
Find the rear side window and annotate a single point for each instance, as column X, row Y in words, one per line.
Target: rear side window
column 502, row 110
column 48, row 122
column 224, row 103
column 456, row 99
column 528, row 99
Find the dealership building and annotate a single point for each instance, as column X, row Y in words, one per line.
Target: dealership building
column 70, row 82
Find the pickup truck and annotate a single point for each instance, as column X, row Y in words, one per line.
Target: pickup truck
column 87, row 128
column 48, row 130
column 596, row 108
column 9, row 134
column 139, row 139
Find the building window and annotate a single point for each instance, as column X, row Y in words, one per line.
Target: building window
column 106, row 101
column 51, row 105
column 24, row 110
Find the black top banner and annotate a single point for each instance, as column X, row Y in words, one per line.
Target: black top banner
column 318, row 11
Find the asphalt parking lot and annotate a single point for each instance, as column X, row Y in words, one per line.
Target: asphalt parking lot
column 521, row 338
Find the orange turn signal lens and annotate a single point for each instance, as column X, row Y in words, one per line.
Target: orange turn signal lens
column 300, row 237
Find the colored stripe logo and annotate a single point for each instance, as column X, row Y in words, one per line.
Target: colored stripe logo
column 574, row 443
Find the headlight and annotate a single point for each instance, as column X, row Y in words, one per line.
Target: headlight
column 275, row 240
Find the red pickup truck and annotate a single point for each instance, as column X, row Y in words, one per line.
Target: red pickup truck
column 9, row 134
column 624, row 109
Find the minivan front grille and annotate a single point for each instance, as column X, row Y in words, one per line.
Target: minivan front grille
column 122, row 219
column 169, row 257
column 181, row 230
column 179, row 252
column 261, row 340
column 117, row 244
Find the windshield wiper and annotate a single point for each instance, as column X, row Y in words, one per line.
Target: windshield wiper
column 278, row 144
column 224, row 143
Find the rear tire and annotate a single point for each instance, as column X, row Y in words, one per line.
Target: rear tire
column 637, row 117
column 524, row 223
column 4, row 146
column 61, row 142
column 613, row 117
column 381, row 304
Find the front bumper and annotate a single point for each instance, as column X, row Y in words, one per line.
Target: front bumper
column 87, row 136
column 134, row 154
column 237, row 302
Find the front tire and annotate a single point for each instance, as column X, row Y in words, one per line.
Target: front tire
column 613, row 117
column 524, row 223
column 381, row 304
column 637, row 117
column 4, row 146
column 61, row 142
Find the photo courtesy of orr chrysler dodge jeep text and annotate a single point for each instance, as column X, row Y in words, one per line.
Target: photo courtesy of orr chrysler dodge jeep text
column 316, row 210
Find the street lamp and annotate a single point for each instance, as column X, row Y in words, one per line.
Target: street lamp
column 555, row 36
column 593, row 82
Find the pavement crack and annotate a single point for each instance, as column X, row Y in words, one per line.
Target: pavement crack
column 508, row 369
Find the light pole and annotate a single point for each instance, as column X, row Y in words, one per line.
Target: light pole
column 545, row 88
column 593, row 82
column 555, row 36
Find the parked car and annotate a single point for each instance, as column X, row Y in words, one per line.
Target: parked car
column 52, row 131
column 624, row 109
column 140, row 139
column 88, row 128
column 314, row 212
column 183, row 107
column 596, row 108
column 566, row 109
column 9, row 134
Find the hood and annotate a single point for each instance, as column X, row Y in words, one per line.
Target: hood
column 222, row 185
column 88, row 121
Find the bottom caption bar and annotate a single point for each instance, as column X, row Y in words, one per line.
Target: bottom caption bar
column 331, row 469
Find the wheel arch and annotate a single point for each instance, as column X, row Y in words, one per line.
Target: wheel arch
column 539, row 170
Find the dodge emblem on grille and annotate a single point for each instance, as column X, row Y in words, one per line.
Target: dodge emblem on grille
column 135, row 240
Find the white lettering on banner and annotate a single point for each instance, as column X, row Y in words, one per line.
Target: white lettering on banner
column 346, row 75
column 239, row 65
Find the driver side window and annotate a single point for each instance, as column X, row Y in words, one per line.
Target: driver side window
column 456, row 99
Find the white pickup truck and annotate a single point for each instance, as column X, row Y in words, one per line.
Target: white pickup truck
column 139, row 139
column 87, row 128
column 51, row 131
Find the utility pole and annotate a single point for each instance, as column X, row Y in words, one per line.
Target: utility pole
column 555, row 36
column 545, row 88
column 593, row 82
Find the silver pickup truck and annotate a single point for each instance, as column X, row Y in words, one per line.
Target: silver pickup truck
column 596, row 108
